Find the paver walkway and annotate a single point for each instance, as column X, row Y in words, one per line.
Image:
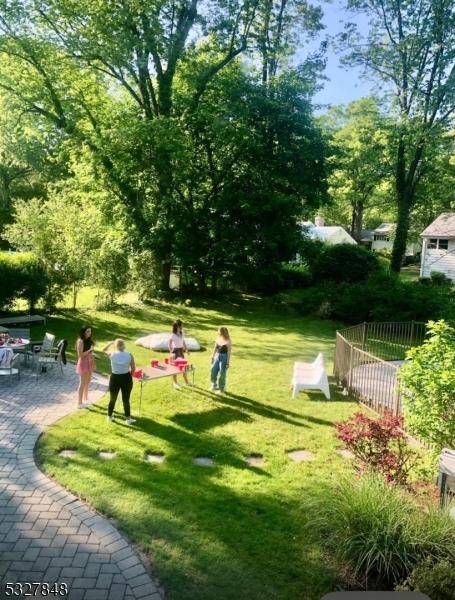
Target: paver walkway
column 47, row 534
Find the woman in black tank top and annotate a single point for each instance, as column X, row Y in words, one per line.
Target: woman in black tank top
column 221, row 357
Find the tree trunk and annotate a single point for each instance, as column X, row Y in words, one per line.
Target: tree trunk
column 357, row 220
column 404, row 200
column 74, row 295
column 401, row 233
column 164, row 274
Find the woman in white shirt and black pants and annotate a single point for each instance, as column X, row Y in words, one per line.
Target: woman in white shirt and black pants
column 122, row 366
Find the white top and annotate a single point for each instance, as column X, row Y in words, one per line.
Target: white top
column 120, row 362
column 176, row 341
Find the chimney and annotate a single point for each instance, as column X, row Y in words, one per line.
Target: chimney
column 319, row 221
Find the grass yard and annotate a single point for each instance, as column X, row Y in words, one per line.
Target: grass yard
column 230, row 531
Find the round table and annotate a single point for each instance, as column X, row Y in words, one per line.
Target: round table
column 17, row 346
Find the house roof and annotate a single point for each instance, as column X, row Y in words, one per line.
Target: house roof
column 385, row 228
column 443, row 226
column 366, row 235
column 326, row 232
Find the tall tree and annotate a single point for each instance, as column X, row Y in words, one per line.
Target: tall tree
column 411, row 48
column 359, row 135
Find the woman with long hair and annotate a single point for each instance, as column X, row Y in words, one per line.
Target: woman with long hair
column 85, row 364
column 177, row 348
column 221, row 357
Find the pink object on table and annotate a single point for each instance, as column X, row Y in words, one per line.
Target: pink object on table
column 154, row 362
column 138, row 373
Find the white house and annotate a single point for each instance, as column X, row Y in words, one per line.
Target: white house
column 438, row 252
column 383, row 240
column 331, row 235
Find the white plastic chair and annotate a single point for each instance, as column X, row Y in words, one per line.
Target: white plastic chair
column 310, row 376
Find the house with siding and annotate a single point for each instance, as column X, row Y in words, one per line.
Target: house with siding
column 383, row 240
column 438, row 252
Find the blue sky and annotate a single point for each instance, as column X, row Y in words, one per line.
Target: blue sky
column 343, row 85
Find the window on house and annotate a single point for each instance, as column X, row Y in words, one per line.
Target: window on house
column 437, row 244
column 381, row 238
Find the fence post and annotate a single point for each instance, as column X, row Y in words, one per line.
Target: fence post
column 350, row 367
column 364, row 335
column 412, row 333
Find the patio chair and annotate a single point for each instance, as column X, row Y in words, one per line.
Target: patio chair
column 49, row 359
column 41, row 347
column 310, row 376
column 12, row 369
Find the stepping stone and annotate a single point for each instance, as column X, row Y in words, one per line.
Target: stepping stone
column 67, row 453
column 106, row 455
column 155, row 457
column 299, row 456
column 345, row 453
column 203, row 461
column 255, row 460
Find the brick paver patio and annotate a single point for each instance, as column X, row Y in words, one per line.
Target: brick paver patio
column 47, row 534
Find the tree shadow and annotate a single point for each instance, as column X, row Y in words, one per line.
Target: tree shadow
column 217, row 417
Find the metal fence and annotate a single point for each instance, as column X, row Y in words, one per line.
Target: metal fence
column 368, row 357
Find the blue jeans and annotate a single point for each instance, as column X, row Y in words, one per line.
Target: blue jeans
column 219, row 366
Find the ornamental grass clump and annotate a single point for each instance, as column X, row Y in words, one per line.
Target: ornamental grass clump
column 379, row 445
column 381, row 533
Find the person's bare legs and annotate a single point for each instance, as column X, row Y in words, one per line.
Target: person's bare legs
column 87, row 384
column 83, row 387
column 80, row 389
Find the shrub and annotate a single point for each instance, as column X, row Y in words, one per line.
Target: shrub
column 427, row 383
column 384, row 297
column 439, row 278
column 309, row 251
column 381, row 532
column 379, row 444
column 21, row 276
column 344, row 263
column 435, row 580
column 295, row 276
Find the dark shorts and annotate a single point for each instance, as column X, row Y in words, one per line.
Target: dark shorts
column 177, row 352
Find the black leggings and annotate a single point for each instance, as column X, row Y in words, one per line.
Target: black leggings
column 122, row 382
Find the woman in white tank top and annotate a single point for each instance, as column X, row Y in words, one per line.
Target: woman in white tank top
column 177, row 349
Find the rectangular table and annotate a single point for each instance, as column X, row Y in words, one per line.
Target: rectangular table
column 152, row 373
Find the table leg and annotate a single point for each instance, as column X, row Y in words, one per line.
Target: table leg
column 140, row 397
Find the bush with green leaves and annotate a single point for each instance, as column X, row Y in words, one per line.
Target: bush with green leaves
column 22, row 276
column 381, row 532
column 383, row 297
column 438, row 278
column 344, row 263
column 427, row 384
column 437, row 580
column 294, row 276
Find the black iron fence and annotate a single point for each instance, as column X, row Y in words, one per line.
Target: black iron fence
column 368, row 357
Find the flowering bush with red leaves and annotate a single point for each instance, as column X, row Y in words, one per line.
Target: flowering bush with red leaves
column 379, row 444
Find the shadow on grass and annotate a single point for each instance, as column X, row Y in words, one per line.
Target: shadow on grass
column 209, row 541
column 217, row 417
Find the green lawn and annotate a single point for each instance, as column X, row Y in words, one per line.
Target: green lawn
column 410, row 273
column 230, row 531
